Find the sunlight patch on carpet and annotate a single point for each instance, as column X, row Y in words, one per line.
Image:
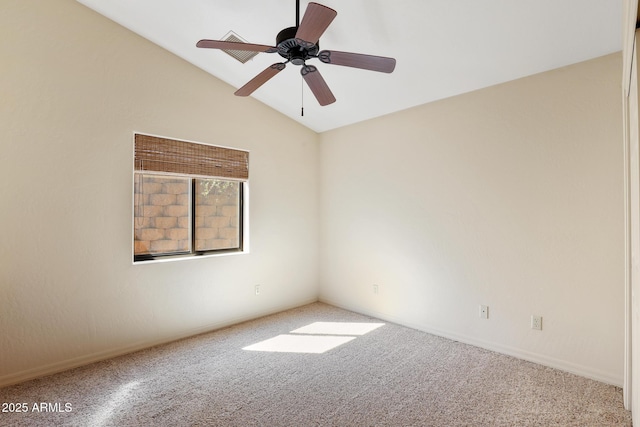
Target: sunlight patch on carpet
column 317, row 337
column 119, row 399
column 338, row 328
column 299, row 344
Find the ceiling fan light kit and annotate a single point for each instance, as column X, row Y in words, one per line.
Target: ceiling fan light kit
column 299, row 44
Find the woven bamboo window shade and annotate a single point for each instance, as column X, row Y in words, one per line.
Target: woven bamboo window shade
column 157, row 154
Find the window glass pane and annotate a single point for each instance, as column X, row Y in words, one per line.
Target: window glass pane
column 161, row 215
column 217, row 214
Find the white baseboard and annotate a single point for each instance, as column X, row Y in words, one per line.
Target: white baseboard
column 65, row 365
column 540, row 359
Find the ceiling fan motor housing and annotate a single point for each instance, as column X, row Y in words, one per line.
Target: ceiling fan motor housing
column 295, row 50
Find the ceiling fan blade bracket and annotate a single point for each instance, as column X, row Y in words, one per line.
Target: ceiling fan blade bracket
column 305, row 44
column 325, row 56
column 308, row 69
column 278, row 66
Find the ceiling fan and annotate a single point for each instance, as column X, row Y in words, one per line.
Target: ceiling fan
column 299, row 44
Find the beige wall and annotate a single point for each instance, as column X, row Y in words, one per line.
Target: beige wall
column 74, row 87
column 510, row 197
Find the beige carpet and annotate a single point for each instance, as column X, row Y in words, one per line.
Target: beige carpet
column 389, row 376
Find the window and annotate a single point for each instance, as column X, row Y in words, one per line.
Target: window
column 188, row 198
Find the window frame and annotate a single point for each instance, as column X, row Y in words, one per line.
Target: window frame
column 192, row 182
column 192, row 208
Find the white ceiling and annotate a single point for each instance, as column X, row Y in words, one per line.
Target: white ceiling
column 442, row 47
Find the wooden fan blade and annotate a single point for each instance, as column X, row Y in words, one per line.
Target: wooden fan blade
column 317, row 85
column 219, row 44
column 260, row 79
column 358, row 60
column 315, row 21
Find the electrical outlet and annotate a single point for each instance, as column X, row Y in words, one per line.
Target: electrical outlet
column 257, row 289
column 375, row 289
column 484, row 312
column 536, row 322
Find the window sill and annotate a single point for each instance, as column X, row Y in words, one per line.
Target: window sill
column 190, row 257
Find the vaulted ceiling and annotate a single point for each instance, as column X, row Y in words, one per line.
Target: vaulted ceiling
column 443, row 47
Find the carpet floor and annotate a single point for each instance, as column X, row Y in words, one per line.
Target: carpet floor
column 316, row 365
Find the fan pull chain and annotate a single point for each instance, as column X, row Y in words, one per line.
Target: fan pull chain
column 302, row 97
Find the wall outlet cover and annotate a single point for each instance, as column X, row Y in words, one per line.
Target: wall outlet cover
column 484, row 311
column 536, row 322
